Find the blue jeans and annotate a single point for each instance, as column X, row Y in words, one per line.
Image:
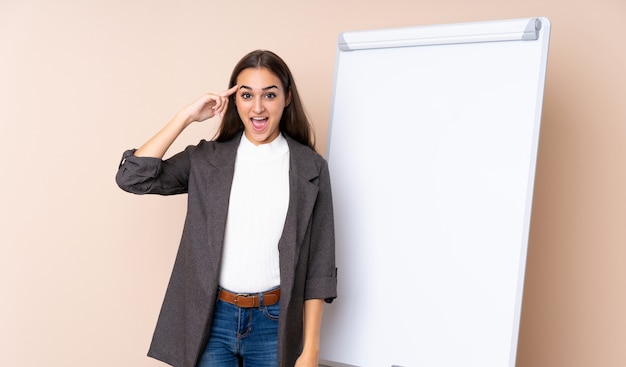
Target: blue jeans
column 242, row 337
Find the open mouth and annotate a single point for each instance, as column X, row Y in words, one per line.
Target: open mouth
column 259, row 123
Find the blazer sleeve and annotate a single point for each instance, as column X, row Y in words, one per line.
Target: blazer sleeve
column 148, row 175
column 322, row 271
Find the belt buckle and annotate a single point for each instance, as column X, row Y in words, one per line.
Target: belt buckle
column 245, row 296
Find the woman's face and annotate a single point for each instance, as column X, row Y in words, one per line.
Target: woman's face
column 260, row 102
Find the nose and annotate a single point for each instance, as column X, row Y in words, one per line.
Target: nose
column 258, row 106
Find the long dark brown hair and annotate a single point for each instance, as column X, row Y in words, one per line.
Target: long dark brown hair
column 294, row 121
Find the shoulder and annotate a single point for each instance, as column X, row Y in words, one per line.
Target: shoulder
column 306, row 162
column 303, row 153
column 214, row 149
column 212, row 145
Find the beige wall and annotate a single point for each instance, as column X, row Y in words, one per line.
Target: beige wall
column 83, row 266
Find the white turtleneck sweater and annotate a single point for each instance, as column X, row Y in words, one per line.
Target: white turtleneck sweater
column 259, row 198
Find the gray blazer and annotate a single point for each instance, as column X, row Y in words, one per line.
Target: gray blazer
column 307, row 246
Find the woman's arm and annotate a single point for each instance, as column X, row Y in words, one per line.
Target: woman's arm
column 312, row 323
column 201, row 109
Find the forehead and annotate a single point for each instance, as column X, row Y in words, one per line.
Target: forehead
column 258, row 78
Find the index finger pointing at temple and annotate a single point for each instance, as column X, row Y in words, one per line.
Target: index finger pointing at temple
column 230, row 91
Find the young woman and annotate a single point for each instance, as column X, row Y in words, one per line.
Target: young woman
column 257, row 256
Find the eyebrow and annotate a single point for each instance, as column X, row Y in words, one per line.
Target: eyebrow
column 266, row 88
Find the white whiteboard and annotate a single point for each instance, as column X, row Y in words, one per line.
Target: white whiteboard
column 432, row 149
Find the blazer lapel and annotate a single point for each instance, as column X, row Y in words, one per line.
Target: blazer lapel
column 219, row 179
column 302, row 197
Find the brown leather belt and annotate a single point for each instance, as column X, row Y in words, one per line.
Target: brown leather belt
column 250, row 300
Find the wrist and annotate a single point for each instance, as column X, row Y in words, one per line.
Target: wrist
column 182, row 119
column 312, row 349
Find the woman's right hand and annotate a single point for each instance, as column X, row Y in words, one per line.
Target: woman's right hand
column 208, row 105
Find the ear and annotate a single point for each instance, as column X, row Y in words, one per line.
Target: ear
column 288, row 99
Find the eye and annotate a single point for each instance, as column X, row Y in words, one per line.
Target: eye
column 245, row 95
column 270, row 95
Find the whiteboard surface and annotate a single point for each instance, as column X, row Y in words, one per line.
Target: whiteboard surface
column 432, row 154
